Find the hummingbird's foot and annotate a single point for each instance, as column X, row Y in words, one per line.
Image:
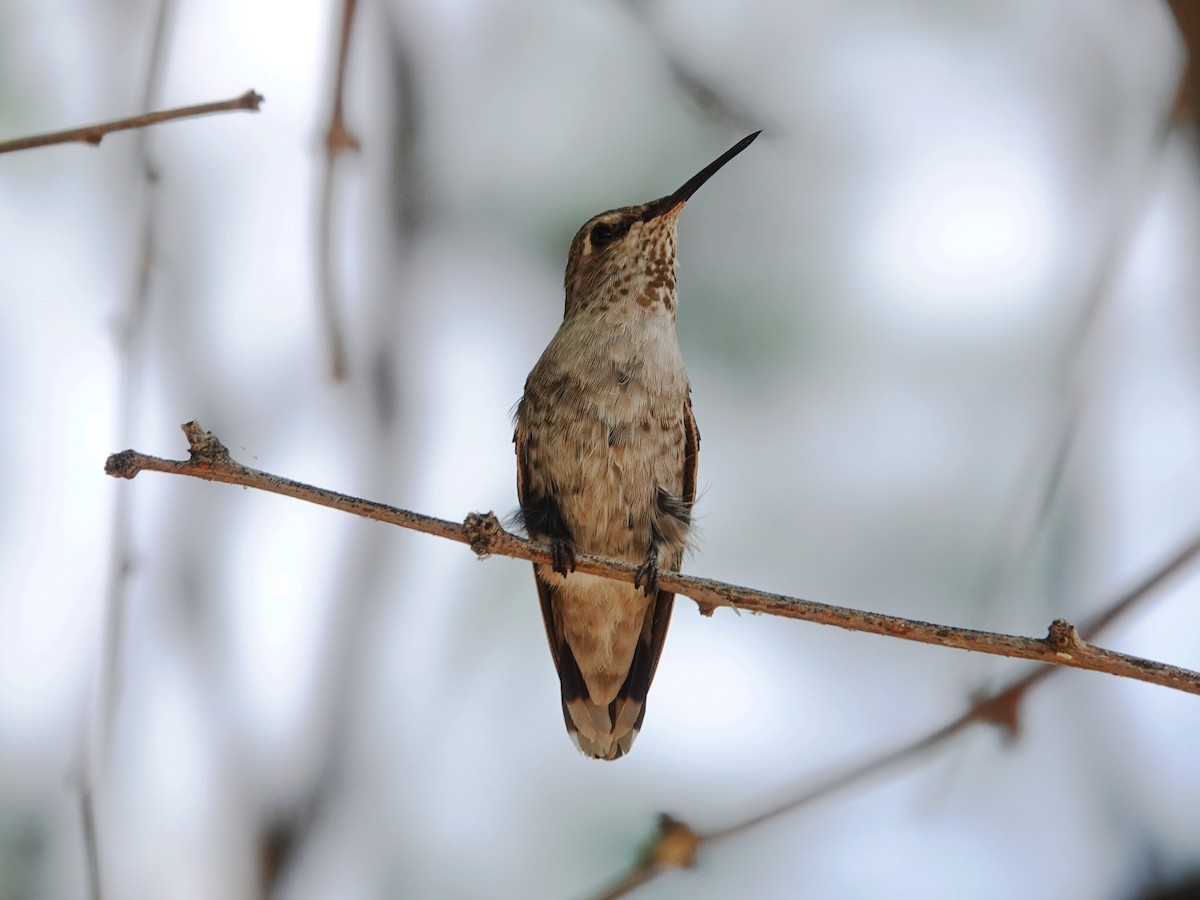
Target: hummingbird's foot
column 563, row 556
column 647, row 574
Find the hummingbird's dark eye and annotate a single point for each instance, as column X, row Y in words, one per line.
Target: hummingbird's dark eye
column 606, row 232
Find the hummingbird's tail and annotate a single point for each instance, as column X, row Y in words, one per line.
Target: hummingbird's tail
column 605, row 728
column 604, row 731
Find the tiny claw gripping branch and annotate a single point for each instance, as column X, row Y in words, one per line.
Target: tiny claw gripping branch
column 564, row 557
column 647, row 574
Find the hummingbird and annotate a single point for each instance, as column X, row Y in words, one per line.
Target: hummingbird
column 606, row 448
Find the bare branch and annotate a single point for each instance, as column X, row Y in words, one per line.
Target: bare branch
column 87, row 814
column 715, row 101
column 130, row 331
column 338, row 139
column 1063, row 646
column 93, row 134
column 1046, row 467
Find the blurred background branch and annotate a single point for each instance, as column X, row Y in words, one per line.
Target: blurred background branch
column 338, row 140
column 101, row 712
column 93, row 134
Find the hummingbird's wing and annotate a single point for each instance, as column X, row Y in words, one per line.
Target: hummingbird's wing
column 628, row 709
column 665, row 600
column 570, row 677
column 658, row 616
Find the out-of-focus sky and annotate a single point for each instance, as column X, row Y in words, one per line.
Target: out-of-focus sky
column 879, row 305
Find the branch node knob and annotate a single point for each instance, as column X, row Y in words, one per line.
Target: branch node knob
column 203, row 446
column 675, row 846
column 123, row 464
column 1063, row 638
column 482, row 530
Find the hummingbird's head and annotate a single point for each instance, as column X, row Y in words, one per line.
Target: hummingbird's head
column 623, row 257
column 626, row 257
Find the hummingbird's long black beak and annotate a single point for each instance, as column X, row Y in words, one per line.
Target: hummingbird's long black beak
column 656, row 208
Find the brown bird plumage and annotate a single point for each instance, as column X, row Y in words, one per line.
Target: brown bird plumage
column 606, row 463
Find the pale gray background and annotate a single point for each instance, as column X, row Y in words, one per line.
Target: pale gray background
column 877, row 301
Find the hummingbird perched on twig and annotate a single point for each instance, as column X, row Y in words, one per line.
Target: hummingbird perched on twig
column 606, row 463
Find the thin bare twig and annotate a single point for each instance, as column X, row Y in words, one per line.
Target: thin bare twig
column 87, row 815
column 130, row 328
column 129, row 339
column 1044, row 471
column 338, row 139
column 362, row 584
column 1063, row 645
column 93, row 134
column 717, row 102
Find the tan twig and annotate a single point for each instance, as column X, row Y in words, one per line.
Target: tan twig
column 87, row 815
column 1063, row 646
column 338, row 139
column 130, row 330
column 715, row 101
column 1047, row 466
column 93, row 134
